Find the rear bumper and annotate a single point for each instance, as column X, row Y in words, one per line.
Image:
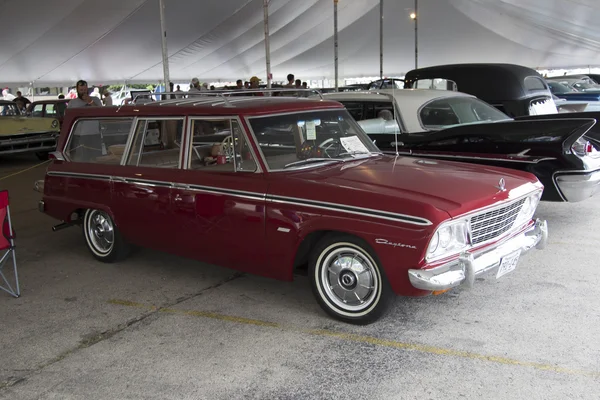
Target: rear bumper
column 578, row 186
column 41, row 142
column 472, row 265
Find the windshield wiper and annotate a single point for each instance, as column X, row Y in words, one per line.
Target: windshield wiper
column 357, row 152
column 313, row 160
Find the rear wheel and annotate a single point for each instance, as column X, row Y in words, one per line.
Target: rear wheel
column 103, row 238
column 348, row 281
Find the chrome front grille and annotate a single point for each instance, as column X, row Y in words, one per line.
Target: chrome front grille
column 492, row 224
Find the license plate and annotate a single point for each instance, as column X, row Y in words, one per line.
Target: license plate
column 508, row 263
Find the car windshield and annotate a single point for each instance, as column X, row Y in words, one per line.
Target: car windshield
column 8, row 109
column 451, row 111
column 310, row 138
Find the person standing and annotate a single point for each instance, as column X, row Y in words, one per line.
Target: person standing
column 22, row 102
column 195, row 85
column 254, row 81
column 83, row 97
column 290, row 83
column 107, row 100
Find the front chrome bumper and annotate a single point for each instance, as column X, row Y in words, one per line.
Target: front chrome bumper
column 28, row 143
column 472, row 265
column 578, row 187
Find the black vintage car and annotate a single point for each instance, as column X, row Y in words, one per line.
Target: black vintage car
column 513, row 89
column 440, row 124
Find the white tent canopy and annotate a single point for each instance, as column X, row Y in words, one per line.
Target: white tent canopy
column 112, row 41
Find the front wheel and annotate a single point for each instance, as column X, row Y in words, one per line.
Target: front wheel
column 102, row 237
column 348, row 281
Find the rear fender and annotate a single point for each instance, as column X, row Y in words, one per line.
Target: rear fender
column 528, row 133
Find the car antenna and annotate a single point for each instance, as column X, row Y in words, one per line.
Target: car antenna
column 397, row 128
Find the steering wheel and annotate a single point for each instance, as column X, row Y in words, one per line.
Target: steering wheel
column 228, row 147
column 330, row 144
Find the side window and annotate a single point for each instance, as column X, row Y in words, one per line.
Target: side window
column 100, row 141
column 438, row 83
column 533, row 83
column 157, row 143
column 355, row 109
column 219, row 145
column 379, row 110
column 438, row 114
column 38, row 110
column 50, row 110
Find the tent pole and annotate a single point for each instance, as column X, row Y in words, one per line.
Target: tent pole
column 416, row 34
column 335, row 41
column 380, row 39
column 165, row 54
column 267, row 44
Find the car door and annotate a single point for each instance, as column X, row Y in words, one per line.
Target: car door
column 218, row 199
column 142, row 190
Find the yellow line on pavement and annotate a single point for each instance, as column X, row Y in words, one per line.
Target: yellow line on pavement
column 365, row 339
column 25, row 170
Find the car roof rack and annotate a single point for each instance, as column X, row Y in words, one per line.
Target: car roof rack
column 228, row 97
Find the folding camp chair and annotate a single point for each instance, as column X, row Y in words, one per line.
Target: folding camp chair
column 7, row 245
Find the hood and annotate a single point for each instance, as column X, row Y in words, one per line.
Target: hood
column 27, row 125
column 412, row 184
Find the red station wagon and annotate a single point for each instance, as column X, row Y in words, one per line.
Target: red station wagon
column 268, row 184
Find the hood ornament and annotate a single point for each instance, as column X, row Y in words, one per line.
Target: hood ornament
column 501, row 185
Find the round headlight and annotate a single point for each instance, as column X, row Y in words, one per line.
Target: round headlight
column 445, row 236
column 55, row 124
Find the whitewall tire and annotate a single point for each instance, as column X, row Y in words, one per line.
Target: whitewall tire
column 348, row 281
column 102, row 237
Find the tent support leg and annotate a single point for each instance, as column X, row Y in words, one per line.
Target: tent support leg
column 267, row 43
column 165, row 53
column 335, row 41
column 380, row 39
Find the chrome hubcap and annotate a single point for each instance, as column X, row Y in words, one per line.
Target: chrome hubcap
column 101, row 231
column 349, row 279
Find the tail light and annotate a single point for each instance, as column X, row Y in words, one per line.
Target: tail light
column 582, row 147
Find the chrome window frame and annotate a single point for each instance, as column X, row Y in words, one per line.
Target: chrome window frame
column 131, row 138
column 247, row 119
column 64, row 150
column 188, row 142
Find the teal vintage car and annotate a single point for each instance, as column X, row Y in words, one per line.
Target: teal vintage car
column 22, row 134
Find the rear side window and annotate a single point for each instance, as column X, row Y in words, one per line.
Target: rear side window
column 98, row 141
column 157, row 143
column 442, row 113
column 533, row 83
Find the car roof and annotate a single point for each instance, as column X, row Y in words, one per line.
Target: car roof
column 413, row 95
column 210, row 105
column 50, row 101
column 493, row 82
column 409, row 101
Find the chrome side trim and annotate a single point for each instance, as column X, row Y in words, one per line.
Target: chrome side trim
column 236, row 193
column 413, row 154
column 369, row 212
column 80, row 175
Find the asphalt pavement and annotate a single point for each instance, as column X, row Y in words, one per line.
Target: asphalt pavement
column 156, row 326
